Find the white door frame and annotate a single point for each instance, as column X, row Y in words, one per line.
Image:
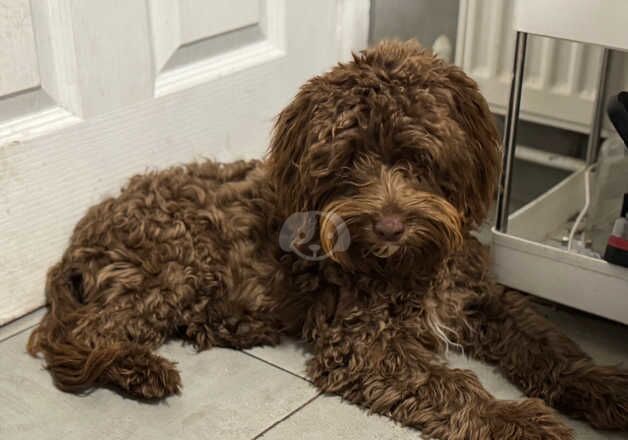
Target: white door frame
column 352, row 27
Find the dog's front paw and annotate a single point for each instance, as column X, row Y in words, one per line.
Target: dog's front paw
column 158, row 381
column 528, row 419
column 599, row 396
column 148, row 377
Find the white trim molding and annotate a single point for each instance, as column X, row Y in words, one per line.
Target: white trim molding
column 352, row 27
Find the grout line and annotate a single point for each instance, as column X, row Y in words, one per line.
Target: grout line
column 23, row 317
column 22, row 324
column 276, row 366
column 18, row 332
column 287, row 416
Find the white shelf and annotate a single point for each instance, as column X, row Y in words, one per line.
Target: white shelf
column 522, row 259
column 600, row 22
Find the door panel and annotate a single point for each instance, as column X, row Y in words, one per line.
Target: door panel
column 95, row 55
column 135, row 85
column 196, row 41
column 18, row 61
column 20, row 82
column 200, row 19
column 181, row 25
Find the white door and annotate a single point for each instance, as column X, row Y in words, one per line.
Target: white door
column 93, row 91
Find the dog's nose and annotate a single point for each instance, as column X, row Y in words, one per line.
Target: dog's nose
column 389, row 228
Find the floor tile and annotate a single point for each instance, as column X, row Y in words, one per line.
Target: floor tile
column 290, row 355
column 501, row 388
column 328, row 417
column 495, row 383
column 233, row 395
column 606, row 341
column 226, row 395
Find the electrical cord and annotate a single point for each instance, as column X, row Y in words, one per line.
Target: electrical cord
column 587, row 202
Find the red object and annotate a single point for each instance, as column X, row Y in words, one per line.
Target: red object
column 618, row 242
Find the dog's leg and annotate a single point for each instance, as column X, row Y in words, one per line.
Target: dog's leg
column 386, row 371
column 233, row 329
column 544, row 363
column 95, row 346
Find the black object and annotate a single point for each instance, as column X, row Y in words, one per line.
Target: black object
column 617, row 246
column 618, row 114
column 615, row 254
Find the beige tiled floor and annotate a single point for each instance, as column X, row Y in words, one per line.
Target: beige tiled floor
column 261, row 393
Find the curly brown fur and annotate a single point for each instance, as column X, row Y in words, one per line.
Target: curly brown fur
column 402, row 147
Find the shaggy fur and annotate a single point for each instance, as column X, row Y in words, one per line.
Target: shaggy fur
column 192, row 252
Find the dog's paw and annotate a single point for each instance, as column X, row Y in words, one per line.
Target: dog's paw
column 157, row 382
column 527, row 419
column 150, row 377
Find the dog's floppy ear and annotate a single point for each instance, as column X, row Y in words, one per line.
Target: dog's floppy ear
column 290, row 141
column 472, row 113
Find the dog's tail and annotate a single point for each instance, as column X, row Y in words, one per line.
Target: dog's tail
column 77, row 365
column 74, row 366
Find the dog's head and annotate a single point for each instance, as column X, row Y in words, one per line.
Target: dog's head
column 398, row 144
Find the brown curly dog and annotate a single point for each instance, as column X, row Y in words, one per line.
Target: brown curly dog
column 392, row 159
